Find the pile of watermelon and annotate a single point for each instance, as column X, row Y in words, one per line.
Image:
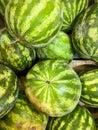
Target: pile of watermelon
column 39, row 87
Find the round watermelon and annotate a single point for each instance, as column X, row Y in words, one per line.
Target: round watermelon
column 15, row 55
column 59, row 48
column 53, row 87
column 35, row 22
column 79, row 119
column 71, row 10
column 85, row 34
column 8, row 89
column 23, row 116
column 89, row 80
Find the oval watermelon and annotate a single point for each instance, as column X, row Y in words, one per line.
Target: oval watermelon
column 85, row 34
column 8, row 89
column 23, row 116
column 79, row 119
column 53, row 87
column 59, row 48
column 34, row 22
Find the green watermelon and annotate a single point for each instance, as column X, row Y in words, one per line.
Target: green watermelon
column 59, row 48
column 15, row 55
column 3, row 4
column 85, row 34
column 35, row 22
column 8, row 89
column 71, row 10
column 79, row 119
column 23, row 116
column 53, row 87
column 89, row 80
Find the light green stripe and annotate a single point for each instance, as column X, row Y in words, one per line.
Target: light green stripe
column 40, row 32
column 33, row 13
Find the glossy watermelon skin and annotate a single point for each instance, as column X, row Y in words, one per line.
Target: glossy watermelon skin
column 79, row 119
column 53, row 87
column 8, row 89
column 71, row 10
column 85, row 36
column 23, row 116
column 59, row 48
column 15, row 55
column 35, row 22
column 89, row 94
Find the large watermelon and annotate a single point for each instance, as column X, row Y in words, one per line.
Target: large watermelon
column 71, row 9
column 53, row 87
column 34, row 22
column 89, row 80
column 23, row 116
column 8, row 89
column 15, row 55
column 85, row 34
column 79, row 119
column 59, row 48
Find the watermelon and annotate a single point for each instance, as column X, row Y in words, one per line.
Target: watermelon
column 3, row 4
column 85, row 34
column 35, row 22
column 59, row 48
column 71, row 10
column 23, row 116
column 15, row 55
column 53, row 87
column 79, row 119
column 89, row 80
column 8, row 89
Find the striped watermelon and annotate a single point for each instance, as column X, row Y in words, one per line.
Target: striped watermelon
column 85, row 34
column 15, row 55
column 3, row 4
column 23, row 116
column 35, row 22
column 71, row 9
column 89, row 80
column 59, row 48
column 79, row 119
column 8, row 89
column 53, row 87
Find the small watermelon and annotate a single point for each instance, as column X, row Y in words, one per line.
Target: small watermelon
column 15, row 55
column 34, row 22
column 23, row 116
column 59, row 48
column 8, row 89
column 79, row 119
column 53, row 87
